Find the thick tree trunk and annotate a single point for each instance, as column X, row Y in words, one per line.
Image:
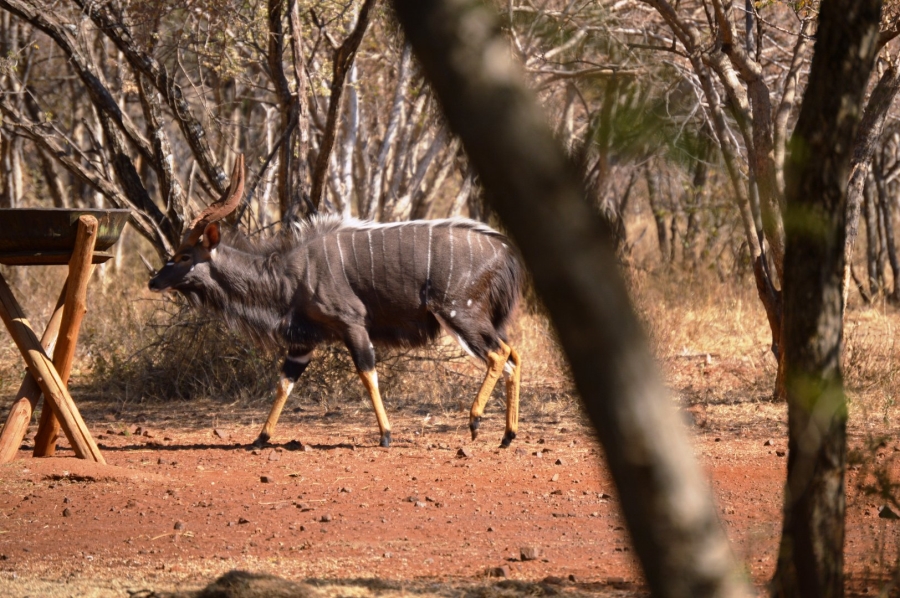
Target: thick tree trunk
column 666, row 501
column 810, row 560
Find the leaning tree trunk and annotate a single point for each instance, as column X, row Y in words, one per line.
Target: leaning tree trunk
column 887, row 228
column 870, row 129
column 568, row 249
column 810, row 559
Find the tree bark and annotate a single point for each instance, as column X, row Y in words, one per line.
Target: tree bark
column 873, row 240
column 659, row 217
column 810, row 559
column 289, row 107
column 870, row 129
column 567, row 247
column 887, row 227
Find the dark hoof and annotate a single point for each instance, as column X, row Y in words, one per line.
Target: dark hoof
column 473, row 427
column 261, row 441
column 385, row 439
column 507, row 439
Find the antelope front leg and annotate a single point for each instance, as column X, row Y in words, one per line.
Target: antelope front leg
column 512, row 399
column 495, row 362
column 293, row 367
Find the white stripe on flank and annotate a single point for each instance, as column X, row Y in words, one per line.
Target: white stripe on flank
column 428, row 263
column 372, row 258
column 465, row 281
column 450, row 267
column 480, row 250
column 337, row 238
column 355, row 258
column 400, row 249
column 327, row 261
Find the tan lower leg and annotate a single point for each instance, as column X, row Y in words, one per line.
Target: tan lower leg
column 370, row 381
column 512, row 393
column 284, row 390
column 496, row 361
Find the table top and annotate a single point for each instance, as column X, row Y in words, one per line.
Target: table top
column 45, row 236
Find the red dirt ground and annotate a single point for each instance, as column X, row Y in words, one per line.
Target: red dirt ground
column 183, row 500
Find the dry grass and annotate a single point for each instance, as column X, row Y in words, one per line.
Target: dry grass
column 138, row 348
column 711, row 338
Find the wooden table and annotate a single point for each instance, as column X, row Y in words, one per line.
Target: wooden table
column 51, row 376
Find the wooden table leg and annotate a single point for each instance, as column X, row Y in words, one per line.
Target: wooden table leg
column 29, row 393
column 36, row 359
column 42, row 369
column 80, row 270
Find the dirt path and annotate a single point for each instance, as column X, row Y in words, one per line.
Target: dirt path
column 178, row 506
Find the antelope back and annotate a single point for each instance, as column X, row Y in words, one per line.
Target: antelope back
column 398, row 270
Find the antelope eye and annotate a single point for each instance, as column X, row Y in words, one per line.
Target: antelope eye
column 180, row 259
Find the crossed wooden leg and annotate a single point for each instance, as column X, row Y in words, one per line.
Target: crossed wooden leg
column 52, row 376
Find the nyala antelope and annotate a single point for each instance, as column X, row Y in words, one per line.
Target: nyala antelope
column 361, row 283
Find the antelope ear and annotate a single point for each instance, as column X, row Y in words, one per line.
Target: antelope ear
column 211, row 236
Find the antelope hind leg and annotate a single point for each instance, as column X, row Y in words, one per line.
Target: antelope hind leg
column 512, row 399
column 363, row 354
column 370, row 381
column 495, row 362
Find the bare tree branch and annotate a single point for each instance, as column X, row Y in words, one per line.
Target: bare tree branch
column 100, row 95
column 101, row 14
column 342, row 59
column 46, row 139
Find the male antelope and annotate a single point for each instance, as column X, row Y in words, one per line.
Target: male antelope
column 361, row 283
